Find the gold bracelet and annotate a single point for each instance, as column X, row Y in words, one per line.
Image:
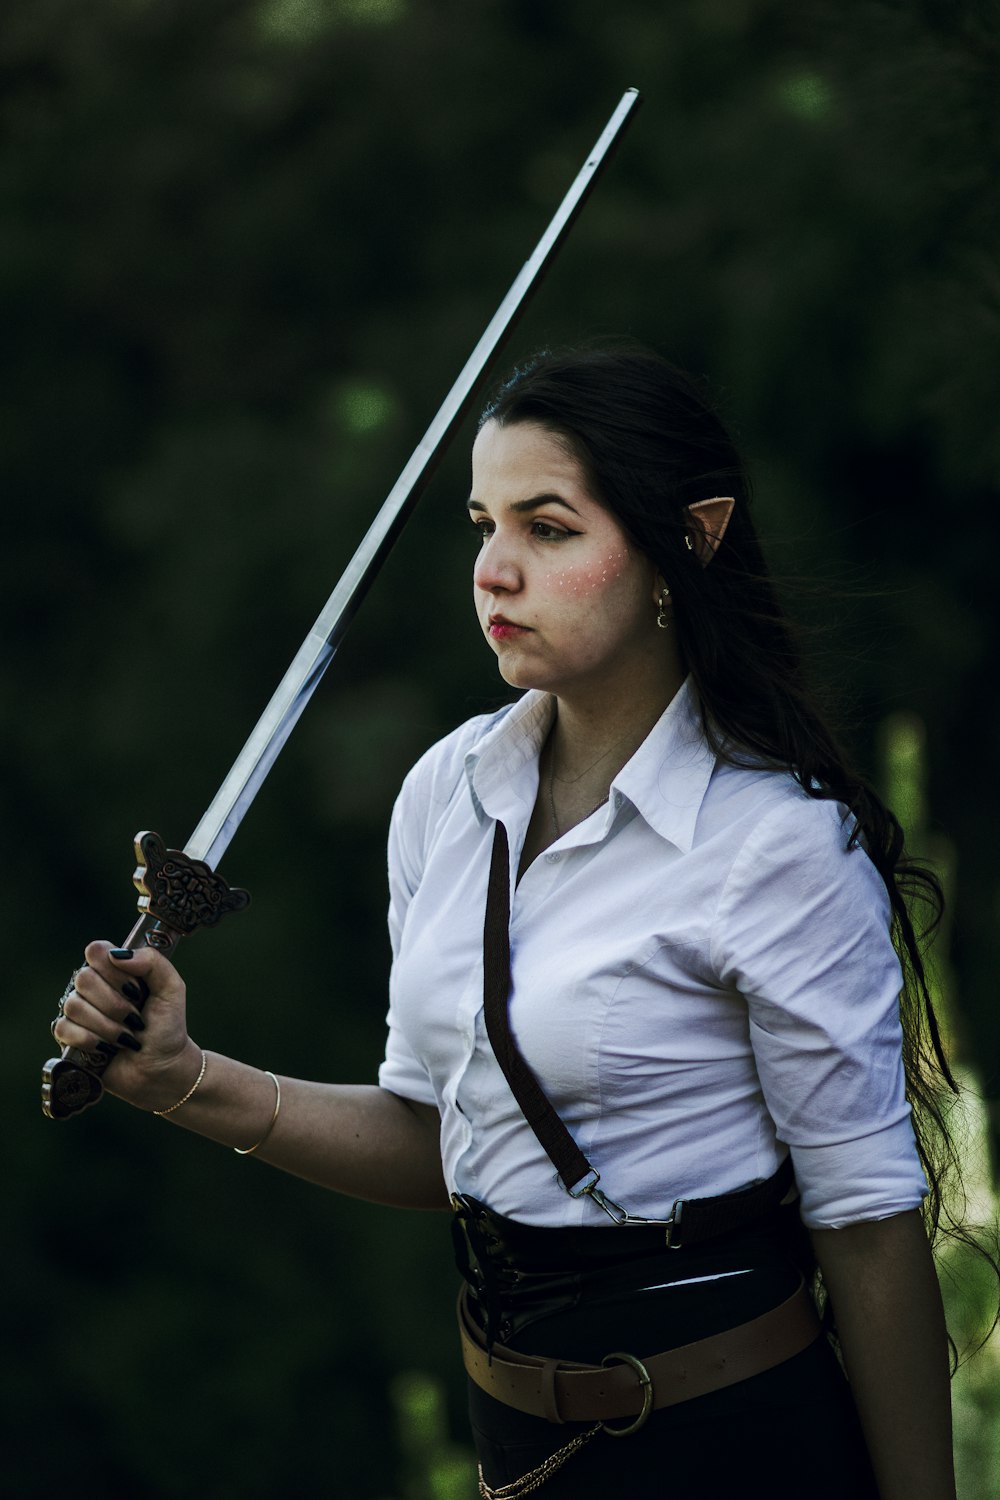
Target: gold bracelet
column 204, row 1061
column 248, row 1150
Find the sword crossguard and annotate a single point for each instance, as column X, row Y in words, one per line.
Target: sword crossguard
column 182, row 893
column 177, row 895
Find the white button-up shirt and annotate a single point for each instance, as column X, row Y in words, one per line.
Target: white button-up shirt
column 701, row 977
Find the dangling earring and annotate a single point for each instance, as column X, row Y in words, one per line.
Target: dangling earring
column 662, row 618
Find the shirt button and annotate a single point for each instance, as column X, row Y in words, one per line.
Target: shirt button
column 553, row 859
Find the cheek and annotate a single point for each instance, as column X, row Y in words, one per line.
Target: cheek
column 588, row 578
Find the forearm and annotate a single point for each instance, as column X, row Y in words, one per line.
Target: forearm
column 354, row 1138
column 357, row 1139
column 887, row 1305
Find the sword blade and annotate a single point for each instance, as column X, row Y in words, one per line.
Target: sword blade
column 228, row 807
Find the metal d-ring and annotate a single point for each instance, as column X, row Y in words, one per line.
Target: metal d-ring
column 647, row 1395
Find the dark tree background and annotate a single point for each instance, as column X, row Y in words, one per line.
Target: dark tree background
column 244, row 250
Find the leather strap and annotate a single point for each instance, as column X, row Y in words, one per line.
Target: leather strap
column 565, row 1391
column 554, row 1138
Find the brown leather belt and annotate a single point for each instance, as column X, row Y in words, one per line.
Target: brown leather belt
column 564, row 1391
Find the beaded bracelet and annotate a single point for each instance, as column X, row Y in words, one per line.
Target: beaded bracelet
column 204, row 1060
column 249, row 1150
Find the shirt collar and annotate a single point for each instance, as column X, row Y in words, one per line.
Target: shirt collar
column 502, row 767
column 668, row 776
column 665, row 781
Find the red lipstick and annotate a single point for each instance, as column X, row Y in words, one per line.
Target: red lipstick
column 502, row 629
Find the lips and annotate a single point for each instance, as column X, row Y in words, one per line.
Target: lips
column 500, row 628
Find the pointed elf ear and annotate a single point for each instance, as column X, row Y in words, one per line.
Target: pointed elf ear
column 709, row 520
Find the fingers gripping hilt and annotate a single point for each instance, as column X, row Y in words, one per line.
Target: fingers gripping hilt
column 177, row 895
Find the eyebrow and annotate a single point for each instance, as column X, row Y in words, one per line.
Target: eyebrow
column 522, row 507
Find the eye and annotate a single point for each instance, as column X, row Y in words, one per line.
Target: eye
column 547, row 531
column 484, row 528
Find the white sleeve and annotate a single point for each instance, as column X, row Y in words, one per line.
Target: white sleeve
column 402, row 1071
column 803, row 933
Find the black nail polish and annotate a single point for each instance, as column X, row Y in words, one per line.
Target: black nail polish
column 126, row 1039
column 120, row 952
column 107, row 1049
column 132, row 991
column 134, row 1022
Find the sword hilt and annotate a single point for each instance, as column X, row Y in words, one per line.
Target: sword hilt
column 177, row 895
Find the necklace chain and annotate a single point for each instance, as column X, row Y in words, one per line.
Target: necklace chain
column 572, row 780
column 552, row 802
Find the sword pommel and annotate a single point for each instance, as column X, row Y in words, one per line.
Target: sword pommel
column 72, row 1083
column 177, row 895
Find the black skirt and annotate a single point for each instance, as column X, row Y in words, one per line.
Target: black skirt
column 582, row 1294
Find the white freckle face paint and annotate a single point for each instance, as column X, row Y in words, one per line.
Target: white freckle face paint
column 561, row 596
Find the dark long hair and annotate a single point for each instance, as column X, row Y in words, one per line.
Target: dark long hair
column 650, row 443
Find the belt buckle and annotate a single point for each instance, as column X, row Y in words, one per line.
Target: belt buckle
column 646, row 1385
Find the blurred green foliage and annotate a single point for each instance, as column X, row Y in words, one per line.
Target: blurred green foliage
column 245, row 248
column 968, row 1282
column 432, row 1467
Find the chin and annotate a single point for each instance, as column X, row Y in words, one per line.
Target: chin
column 515, row 676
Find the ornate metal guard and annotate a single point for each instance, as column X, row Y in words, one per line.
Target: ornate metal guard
column 180, row 892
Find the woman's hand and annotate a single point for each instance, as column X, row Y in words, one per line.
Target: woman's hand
column 156, row 1061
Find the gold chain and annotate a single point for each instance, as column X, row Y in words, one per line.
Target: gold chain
column 536, row 1477
column 572, row 781
column 555, row 816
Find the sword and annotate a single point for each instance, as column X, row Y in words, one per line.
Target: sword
column 180, row 890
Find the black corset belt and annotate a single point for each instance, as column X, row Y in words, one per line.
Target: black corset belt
column 518, row 1274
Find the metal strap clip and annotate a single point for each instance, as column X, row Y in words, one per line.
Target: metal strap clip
column 587, row 1187
column 621, row 1216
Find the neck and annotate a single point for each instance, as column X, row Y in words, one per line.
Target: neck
column 616, row 725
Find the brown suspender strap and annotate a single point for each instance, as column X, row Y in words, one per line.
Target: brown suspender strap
column 553, row 1137
column 692, row 1219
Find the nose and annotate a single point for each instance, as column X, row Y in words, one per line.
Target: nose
column 496, row 569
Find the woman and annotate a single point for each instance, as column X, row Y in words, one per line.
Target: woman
column 701, row 979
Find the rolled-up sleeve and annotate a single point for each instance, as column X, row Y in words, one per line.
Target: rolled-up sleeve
column 802, row 931
column 401, row 1071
